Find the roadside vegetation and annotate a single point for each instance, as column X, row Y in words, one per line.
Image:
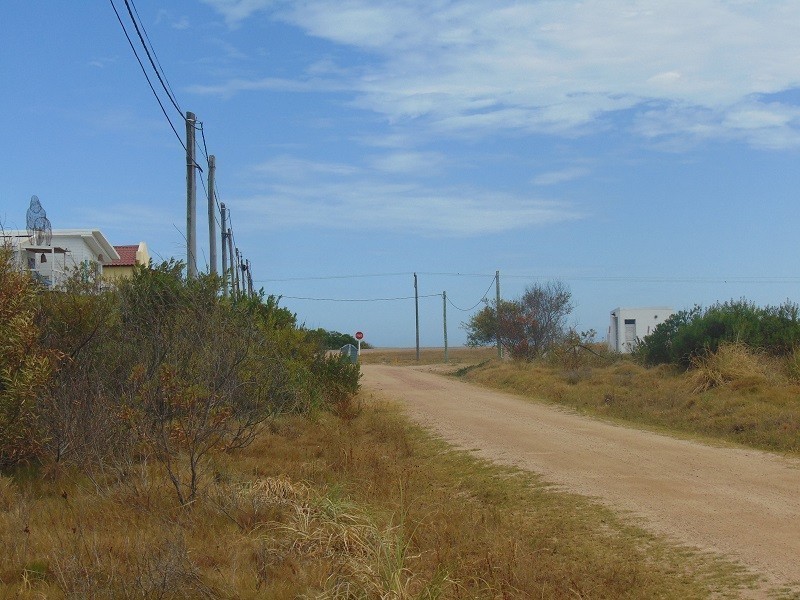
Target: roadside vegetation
column 328, row 507
column 729, row 372
column 158, row 440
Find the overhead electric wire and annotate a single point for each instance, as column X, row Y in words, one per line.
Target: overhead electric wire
column 358, row 299
column 199, row 125
column 486, row 293
column 146, row 76
column 330, row 277
column 167, row 90
column 155, row 55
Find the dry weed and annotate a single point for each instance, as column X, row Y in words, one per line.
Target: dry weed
column 733, row 364
column 8, row 494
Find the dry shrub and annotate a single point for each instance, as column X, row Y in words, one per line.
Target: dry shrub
column 366, row 560
column 329, row 542
column 733, row 364
column 792, row 365
column 253, row 504
column 84, row 567
column 8, row 494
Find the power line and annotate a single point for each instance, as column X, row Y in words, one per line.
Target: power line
column 167, row 90
column 478, row 302
column 146, row 76
column 155, row 55
column 358, row 299
column 330, row 277
column 631, row 279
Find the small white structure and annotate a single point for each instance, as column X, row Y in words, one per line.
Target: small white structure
column 631, row 325
column 69, row 249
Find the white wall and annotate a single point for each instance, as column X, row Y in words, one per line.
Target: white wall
column 82, row 246
column 629, row 325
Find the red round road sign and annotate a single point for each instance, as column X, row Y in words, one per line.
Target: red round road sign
column 359, row 335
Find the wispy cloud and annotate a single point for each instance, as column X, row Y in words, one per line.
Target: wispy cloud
column 492, row 65
column 417, row 163
column 102, row 62
column 236, row 11
column 297, row 193
column 272, row 84
column 562, row 176
column 180, row 23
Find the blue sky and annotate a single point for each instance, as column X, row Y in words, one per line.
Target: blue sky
column 643, row 152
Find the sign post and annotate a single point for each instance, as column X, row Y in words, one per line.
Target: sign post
column 359, row 337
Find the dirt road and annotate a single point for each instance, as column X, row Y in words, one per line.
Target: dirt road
column 741, row 503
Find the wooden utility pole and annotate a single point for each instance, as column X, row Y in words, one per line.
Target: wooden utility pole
column 212, row 221
column 416, row 311
column 497, row 313
column 249, row 279
column 444, row 320
column 230, row 260
column 224, row 227
column 191, row 200
column 238, row 268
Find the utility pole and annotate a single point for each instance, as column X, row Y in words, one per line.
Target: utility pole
column 224, row 227
column 212, row 227
column 230, row 260
column 416, row 311
column 444, row 320
column 249, row 279
column 238, row 268
column 191, row 200
column 497, row 313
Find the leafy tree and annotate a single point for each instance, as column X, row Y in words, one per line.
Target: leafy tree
column 528, row 326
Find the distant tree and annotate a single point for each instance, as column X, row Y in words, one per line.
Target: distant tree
column 333, row 340
column 528, row 326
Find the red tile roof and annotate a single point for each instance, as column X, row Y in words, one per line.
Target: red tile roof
column 127, row 256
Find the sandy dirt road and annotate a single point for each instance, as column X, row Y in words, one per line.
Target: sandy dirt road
column 744, row 504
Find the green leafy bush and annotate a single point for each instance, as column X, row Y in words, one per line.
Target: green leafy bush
column 158, row 366
column 697, row 332
column 24, row 365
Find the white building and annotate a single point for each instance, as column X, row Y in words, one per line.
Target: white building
column 68, row 250
column 631, row 325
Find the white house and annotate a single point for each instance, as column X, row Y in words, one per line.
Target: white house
column 629, row 325
column 68, row 250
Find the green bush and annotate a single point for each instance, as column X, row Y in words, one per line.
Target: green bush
column 157, row 366
column 24, row 366
column 697, row 332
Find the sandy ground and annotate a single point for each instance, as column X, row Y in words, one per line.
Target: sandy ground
column 744, row 504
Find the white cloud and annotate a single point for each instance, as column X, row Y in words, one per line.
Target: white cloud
column 179, row 23
column 273, row 84
column 236, row 11
column 562, row 176
column 298, row 193
column 297, row 169
column 491, row 65
column 417, row 163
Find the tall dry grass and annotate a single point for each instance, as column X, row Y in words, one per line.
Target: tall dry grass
column 734, row 395
column 366, row 507
column 735, row 365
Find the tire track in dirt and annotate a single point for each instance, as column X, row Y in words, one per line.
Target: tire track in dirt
column 744, row 504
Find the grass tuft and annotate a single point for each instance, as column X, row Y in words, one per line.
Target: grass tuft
column 733, row 364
